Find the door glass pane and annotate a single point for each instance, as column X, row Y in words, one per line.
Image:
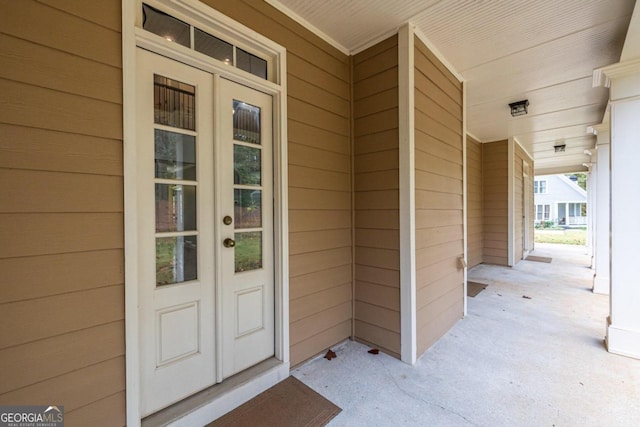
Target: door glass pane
column 248, row 208
column 165, row 26
column 175, row 207
column 213, row 46
column 176, row 259
column 248, row 251
column 246, row 165
column 174, row 103
column 246, row 122
column 175, row 155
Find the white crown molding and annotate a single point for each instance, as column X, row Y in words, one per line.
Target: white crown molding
column 315, row 30
column 603, row 76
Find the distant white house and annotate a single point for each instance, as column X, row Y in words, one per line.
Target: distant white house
column 559, row 199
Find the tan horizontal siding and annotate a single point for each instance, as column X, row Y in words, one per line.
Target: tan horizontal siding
column 313, row 241
column 377, row 254
column 43, row 191
column 74, row 34
column 495, row 169
column 46, row 150
column 49, row 275
column 62, row 293
column 319, row 301
column 77, row 389
column 438, row 195
column 107, row 412
column 475, row 230
column 314, row 282
column 34, row 363
column 324, row 340
column 313, row 137
column 314, row 220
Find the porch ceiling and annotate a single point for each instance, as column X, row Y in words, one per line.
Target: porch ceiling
column 506, row 50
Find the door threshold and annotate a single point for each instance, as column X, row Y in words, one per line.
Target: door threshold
column 215, row 401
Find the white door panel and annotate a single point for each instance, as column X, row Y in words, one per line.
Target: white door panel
column 175, row 247
column 205, row 174
column 244, row 118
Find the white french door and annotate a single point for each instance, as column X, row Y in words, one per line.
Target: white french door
column 246, row 198
column 205, row 227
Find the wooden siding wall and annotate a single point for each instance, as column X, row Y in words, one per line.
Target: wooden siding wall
column 377, row 261
column 318, row 77
column 439, row 193
column 518, row 203
column 495, row 170
column 475, row 226
column 62, row 293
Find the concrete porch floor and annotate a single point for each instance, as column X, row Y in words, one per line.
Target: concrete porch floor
column 512, row 361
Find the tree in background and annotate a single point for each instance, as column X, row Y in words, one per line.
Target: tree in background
column 579, row 178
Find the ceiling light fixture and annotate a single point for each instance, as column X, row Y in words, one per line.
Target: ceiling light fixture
column 560, row 148
column 519, row 108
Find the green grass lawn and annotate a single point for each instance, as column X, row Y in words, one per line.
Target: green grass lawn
column 565, row 237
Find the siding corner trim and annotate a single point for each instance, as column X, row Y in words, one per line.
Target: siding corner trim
column 406, row 112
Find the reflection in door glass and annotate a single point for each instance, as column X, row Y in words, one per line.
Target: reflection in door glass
column 175, row 207
column 176, row 259
column 174, row 103
column 248, row 251
column 251, row 63
column 246, row 122
column 246, row 165
column 213, row 46
column 166, row 26
column 175, row 155
column 248, row 208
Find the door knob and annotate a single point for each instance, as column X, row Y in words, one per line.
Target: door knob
column 229, row 243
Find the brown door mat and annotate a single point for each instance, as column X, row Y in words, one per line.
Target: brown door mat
column 288, row 403
column 474, row 288
column 538, row 258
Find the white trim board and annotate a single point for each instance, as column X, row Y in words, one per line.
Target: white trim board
column 130, row 161
column 511, row 202
column 465, row 196
column 524, row 149
column 406, row 154
column 132, row 38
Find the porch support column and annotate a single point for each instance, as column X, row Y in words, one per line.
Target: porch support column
column 601, row 208
column 623, row 329
column 591, row 193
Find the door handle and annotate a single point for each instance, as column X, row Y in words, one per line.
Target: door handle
column 229, row 243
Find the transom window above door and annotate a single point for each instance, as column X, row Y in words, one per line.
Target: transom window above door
column 177, row 31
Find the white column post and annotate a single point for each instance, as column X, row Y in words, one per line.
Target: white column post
column 601, row 209
column 591, row 192
column 623, row 331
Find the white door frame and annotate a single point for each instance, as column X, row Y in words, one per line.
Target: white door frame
column 526, row 208
column 197, row 13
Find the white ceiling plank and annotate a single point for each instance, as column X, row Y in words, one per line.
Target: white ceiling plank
column 505, row 51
